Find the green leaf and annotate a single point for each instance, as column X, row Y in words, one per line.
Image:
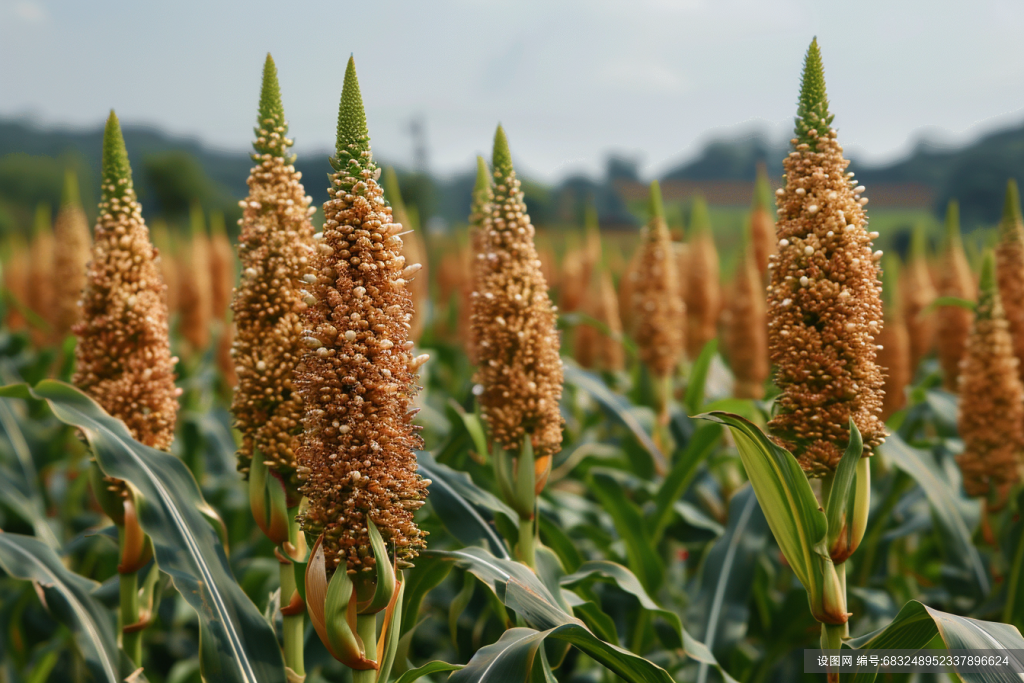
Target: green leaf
column 32, row 510
column 701, row 445
column 699, row 376
column 616, row 406
column 519, row 589
column 473, row 426
column 838, row 498
column 237, row 644
column 462, row 505
column 789, row 505
column 435, row 667
column 631, row 525
column 722, row 595
column 944, row 501
column 392, row 635
column 917, row 624
column 69, row 598
column 426, row 575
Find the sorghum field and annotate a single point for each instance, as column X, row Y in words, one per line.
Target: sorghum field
column 327, row 445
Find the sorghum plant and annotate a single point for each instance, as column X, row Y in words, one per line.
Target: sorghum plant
column 1010, row 270
column 956, row 280
column 274, row 247
column 747, row 332
column 893, row 341
column 519, row 369
column 703, row 292
column 123, row 358
column 918, row 294
column 991, row 418
column 72, row 245
column 357, row 379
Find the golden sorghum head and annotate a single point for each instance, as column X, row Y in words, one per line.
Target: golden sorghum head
column 762, row 223
column 703, row 292
column 225, row 357
column 479, row 208
column 601, row 348
column 956, row 280
column 40, row 293
column 222, row 267
column 991, row 416
column 275, row 246
column 357, row 377
column 1010, row 270
column 824, row 306
column 627, row 285
column 15, row 281
column 747, row 331
column 894, row 341
column 415, row 252
column 659, row 314
column 123, row 356
column 918, row 293
column 573, row 279
column 164, row 243
column 71, row 252
column 196, row 299
column 514, row 323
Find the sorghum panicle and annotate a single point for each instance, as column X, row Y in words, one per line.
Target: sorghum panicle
column 168, row 262
column 357, row 377
column 480, row 208
column 1010, row 270
column 222, row 268
column 123, row 356
column 747, row 331
column 659, row 314
column 894, row 341
column 703, row 292
column 275, row 246
column 824, row 305
column 196, row 296
column 953, row 323
column 518, row 366
column 39, row 297
column 762, row 223
column 918, row 292
column 991, row 419
column 71, row 253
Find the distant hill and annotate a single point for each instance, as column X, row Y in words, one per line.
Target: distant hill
column 171, row 171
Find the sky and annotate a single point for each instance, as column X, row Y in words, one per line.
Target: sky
column 570, row 80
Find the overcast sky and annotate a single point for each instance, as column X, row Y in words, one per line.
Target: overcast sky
column 570, row 80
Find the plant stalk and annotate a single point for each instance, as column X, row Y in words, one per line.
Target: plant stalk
column 294, row 625
column 527, row 545
column 366, row 627
column 131, row 642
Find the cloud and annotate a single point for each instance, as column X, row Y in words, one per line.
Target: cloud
column 30, row 12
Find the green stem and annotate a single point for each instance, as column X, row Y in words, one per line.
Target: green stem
column 1014, row 584
column 366, row 627
column 294, row 624
column 527, row 544
column 832, row 639
column 131, row 643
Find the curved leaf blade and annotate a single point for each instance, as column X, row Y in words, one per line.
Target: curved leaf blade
column 920, row 465
column 787, row 501
column 237, row 645
column 69, row 598
column 461, row 505
column 617, row 407
column 917, row 624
